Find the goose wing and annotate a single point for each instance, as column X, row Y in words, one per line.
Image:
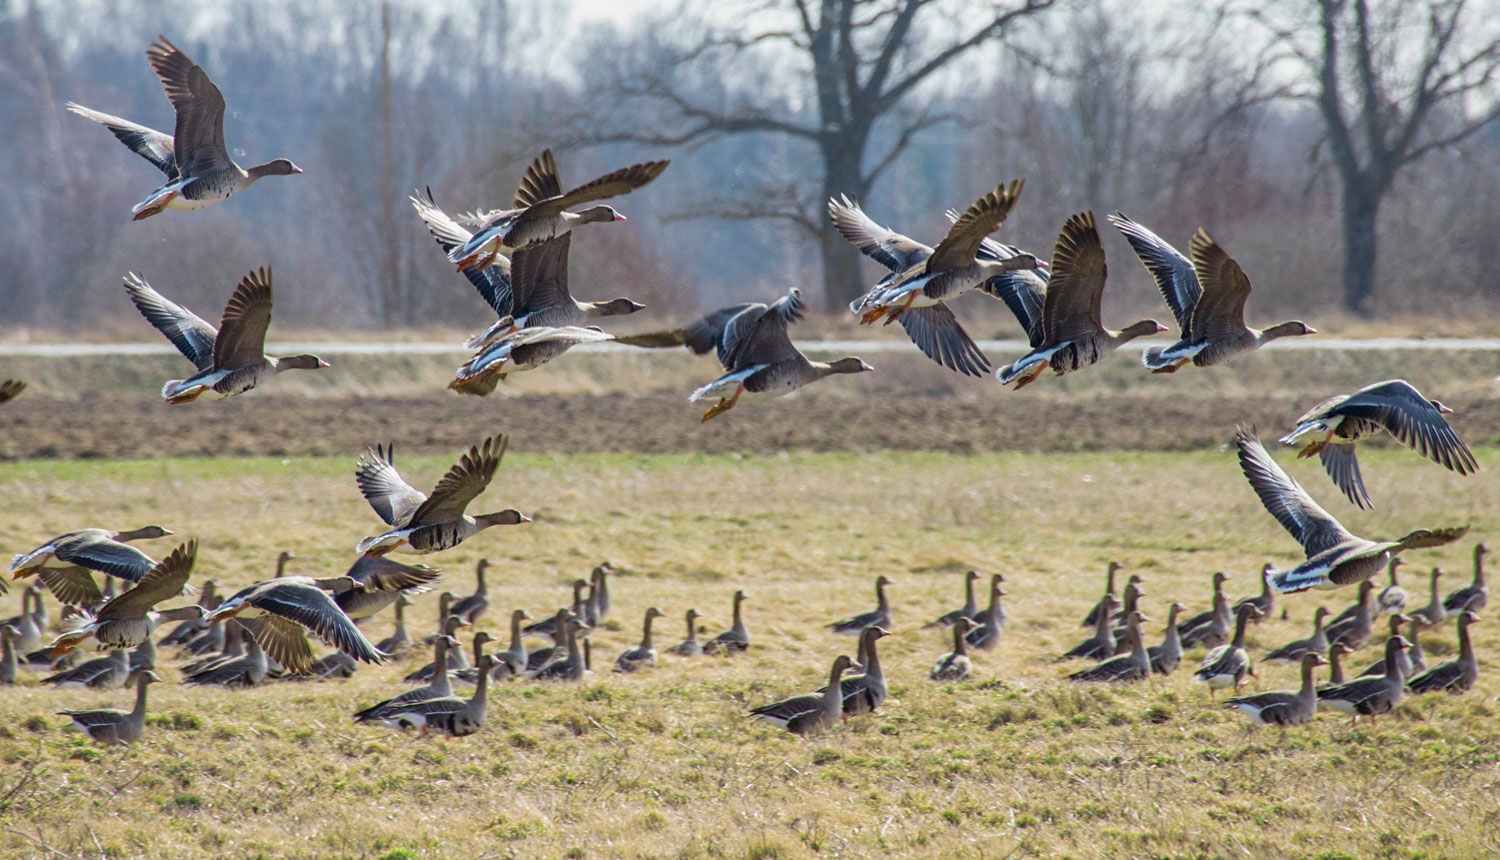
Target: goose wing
column 881, row 244
column 539, row 182
column 1411, row 418
column 758, row 334
column 613, row 184
column 1172, row 271
column 107, row 556
column 463, row 483
column 539, row 275
column 393, row 499
column 1341, row 462
column 937, row 332
column 297, row 605
column 1285, row 499
column 165, row 581
column 1220, row 311
column 199, row 135
column 492, row 282
column 242, row 333
column 984, row 217
column 74, row 586
column 1071, row 308
column 190, row 333
column 378, row 573
column 148, row 143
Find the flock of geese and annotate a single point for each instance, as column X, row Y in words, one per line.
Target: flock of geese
column 517, row 258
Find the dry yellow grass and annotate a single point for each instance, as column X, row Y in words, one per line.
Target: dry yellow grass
column 663, row 764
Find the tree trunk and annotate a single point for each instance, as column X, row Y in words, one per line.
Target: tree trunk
column 1360, row 210
column 842, row 281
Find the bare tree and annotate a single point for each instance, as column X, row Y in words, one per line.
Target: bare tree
column 866, row 57
column 1391, row 84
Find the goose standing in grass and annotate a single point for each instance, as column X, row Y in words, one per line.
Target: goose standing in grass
column 475, row 605
column 922, row 308
column 986, row 635
column 28, row 633
column 422, row 523
column 231, row 359
column 1129, row 603
column 382, row 582
column 1454, row 676
column 539, row 658
column 1334, row 556
column 955, row 665
column 1355, row 630
column 572, row 666
column 599, row 577
column 131, row 618
column 1393, row 597
column 100, row 673
column 10, row 389
column 441, row 685
column 450, row 714
column 1283, row 707
column 968, row 610
column 689, row 647
column 248, row 671
column 1265, row 601
column 1166, row 657
column 511, row 663
column 1125, row 668
column 63, row 563
column 551, row 626
column 1100, row 646
column 279, row 612
column 194, row 157
column 1408, row 668
column 1473, row 597
column 1414, row 653
column 1370, row 696
column 1336, row 654
column 1207, row 297
column 9, row 663
column 539, row 211
column 644, row 654
column 234, row 648
column 469, row 674
column 737, row 637
column 1317, row 643
column 880, row 616
column 1210, row 629
column 399, row 642
column 866, row 692
column 1332, row 428
column 1433, row 613
column 112, row 726
column 1109, row 591
column 1071, row 335
column 1227, row 665
column 814, row 712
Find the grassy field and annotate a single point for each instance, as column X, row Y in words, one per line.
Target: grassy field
column 1017, row 763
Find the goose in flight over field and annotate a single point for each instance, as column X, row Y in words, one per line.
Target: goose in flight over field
column 63, row 563
column 1206, row 296
column 1335, row 557
column 421, row 523
column 1332, row 428
column 10, row 388
column 130, row 619
column 197, row 165
column 230, row 360
column 277, row 612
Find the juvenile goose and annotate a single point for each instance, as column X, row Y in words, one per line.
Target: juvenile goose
column 1372, row 696
column 1100, row 646
column 111, row 726
column 737, row 637
column 1355, row 631
column 690, row 646
column 1265, row 601
column 1434, row 612
column 539, row 213
column 1227, row 665
column 1334, row 556
column 194, row 158
column 399, row 642
column 644, row 654
column 1473, row 597
column 955, row 665
column 1070, row 335
column 1332, row 428
column 986, row 636
column 1109, row 591
column 1317, row 643
column 1283, row 707
column 130, row 619
column 1408, row 669
column 1210, row 629
column 551, row 626
column 63, row 563
column 424, row 524
column 441, row 685
column 880, row 616
column 1454, row 676
column 230, row 359
column 1207, row 296
column 511, row 663
column 383, row 580
column 10, row 388
column 455, row 716
column 968, row 610
column 472, row 607
column 1126, row 668
column 814, row 712
column 866, row 692
column 1166, row 657
column 278, row 612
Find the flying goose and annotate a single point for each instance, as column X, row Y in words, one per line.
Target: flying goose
column 1265, row 601
column 1109, row 590
column 1355, row 630
column 1207, row 296
column 1209, row 629
column 131, row 618
column 1332, row 428
column 689, row 647
column 812, row 713
column 880, row 616
column 1371, row 696
column 737, row 637
column 194, row 158
column 112, row 726
column 422, row 523
column 1283, row 707
column 1101, row 645
column 441, row 685
column 278, row 612
column 866, row 692
column 1227, row 665
column 1473, row 597
column 1408, row 668
column 63, row 563
column 493, row 281
column 1071, row 335
column 644, row 654
column 1334, row 556
column 925, row 315
column 1125, row 668
column 455, row 716
column 472, row 607
column 231, row 359
column 1454, row 676
column 955, row 665
column 986, row 634
column 1166, row 657
column 384, row 580
column 10, row 388
column 511, row 663
column 1317, row 643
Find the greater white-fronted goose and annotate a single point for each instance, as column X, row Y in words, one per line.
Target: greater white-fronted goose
column 1125, row 668
column 100, row 673
column 472, row 607
column 1334, row 556
column 1336, row 654
column 441, row 685
column 209, row 640
column 1227, row 665
column 247, row 671
column 511, row 663
column 571, row 666
column 493, row 281
column 689, row 647
column 1473, row 597
column 1454, row 676
column 968, row 610
column 455, row 716
column 1207, row 297
column 551, row 626
column 1166, row 657
column 400, row 641
column 1101, row 645
column 1433, row 613
column 1317, row 643
column 539, row 658
column 194, row 158
column 1372, row 696
column 1265, row 601
column 422, row 523
column 1283, row 707
column 383, row 580
column 737, row 637
column 1071, row 335
column 470, row 674
column 812, row 713
column 234, row 648
column 1210, row 629
column 279, row 612
column 1393, row 597
column 644, row 654
column 903, row 296
column 1129, row 602
column 866, row 692
column 986, row 634
column 30, row 635
column 955, row 665
column 1355, row 630
column 131, row 618
column 880, row 616
column 591, row 605
column 230, row 359
column 1332, row 428
column 539, row 210
column 1414, row 653
column 1408, row 670
column 1092, row 618
column 111, row 726
column 63, row 563
column 11, row 388
column 9, row 663
column 600, row 580
column 209, row 599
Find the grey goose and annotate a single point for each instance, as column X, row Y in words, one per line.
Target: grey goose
column 1123, row 668
column 955, row 665
column 1370, row 696
column 450, row 715
column 130, row 619
column 643, row 655
column 63, row 563
column 1210, row 629
column 1227, row 665
column 1408, row 667
column 1354, row 631
column 1166, row 657
column 112, row 726
column 1317, row 643
column 279, row 612
column 470, row 608
column 383, row 581
column 880, row 616
column 1283, row 708
column 737, row 637
column 1454, row 676
column 1092, row 618
column 865, row 693
column 1473, row 597
column 991, row 623
column 968, row 610
column 1101, row 645
column 689, row 647
column 1265, row 601
column 441, row 685
column 511, row 663
column 812, row 713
